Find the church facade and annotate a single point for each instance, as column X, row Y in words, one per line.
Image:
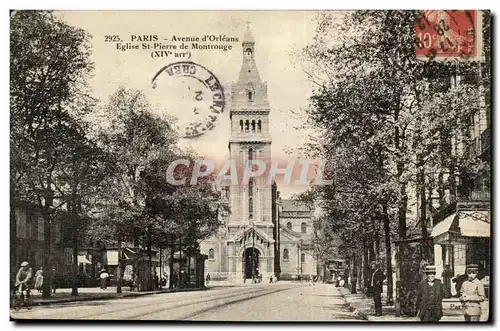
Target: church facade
column 253, row 241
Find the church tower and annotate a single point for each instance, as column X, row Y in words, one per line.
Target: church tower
column 250, row 227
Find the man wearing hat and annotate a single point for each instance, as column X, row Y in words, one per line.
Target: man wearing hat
column 376, row 279
column 430, row 296
column 472, row 294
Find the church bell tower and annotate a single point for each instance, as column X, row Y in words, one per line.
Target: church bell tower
column 250, row 224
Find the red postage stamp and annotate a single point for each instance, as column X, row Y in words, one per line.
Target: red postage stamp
column 446, row 34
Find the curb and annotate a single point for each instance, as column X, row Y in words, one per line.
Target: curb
column 110, row 297
column 343, row 291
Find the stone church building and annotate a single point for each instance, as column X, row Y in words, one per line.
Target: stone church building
column 263, row 235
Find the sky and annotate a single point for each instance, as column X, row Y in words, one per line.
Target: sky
column 279, row 36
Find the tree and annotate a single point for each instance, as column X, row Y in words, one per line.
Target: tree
column 50, row 62
column 134, row 138
column 83, row 169
column 377, row 101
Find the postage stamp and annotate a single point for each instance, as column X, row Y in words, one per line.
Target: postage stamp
column 447, row 34
column 198, row 92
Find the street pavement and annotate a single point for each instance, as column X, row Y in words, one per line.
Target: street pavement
column 250, row 302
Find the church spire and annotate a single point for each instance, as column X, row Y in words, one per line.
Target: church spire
column 249, row 92
column 247, row 37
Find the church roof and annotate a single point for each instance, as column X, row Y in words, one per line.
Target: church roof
column 294, row 205
column 247, row 233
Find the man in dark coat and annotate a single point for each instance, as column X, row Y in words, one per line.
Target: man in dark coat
column 376, row 279
column 430, row 297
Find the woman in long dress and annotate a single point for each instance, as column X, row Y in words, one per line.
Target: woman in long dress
column 39, row 279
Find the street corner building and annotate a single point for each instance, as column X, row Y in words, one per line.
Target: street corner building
column 264, row 235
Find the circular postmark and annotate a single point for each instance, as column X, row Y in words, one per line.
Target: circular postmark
column 193, row 94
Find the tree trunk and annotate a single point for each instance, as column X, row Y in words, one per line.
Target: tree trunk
column 14, row 262
column 388, row 253
column 119, row 276
column 371, row 250
column 171, row 265
column 442, row 202
column 188, row 274
column 180, row 263
column 74, row 266
column 161, row 269
column 47, row 221
column 149, row 273
column 366, row 266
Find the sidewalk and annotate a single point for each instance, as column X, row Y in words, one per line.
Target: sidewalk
column 96, row 293
column 364, row 307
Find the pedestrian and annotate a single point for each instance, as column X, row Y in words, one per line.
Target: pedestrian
column 53, row 279
column 447, row 274
column 104, row 279
column 39, row 279
column 24, row 280
column 207, row 279
column 271, row 279
column 376, row 279
column 430, row 297
column 472, row 294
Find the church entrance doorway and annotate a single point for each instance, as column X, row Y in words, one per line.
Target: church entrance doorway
column 251, row 263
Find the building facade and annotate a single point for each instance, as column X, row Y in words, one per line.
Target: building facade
column 248, row 245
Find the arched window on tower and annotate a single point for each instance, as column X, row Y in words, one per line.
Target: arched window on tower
column 247, row 125
column 241, row 125
column 286, row 256
column 250, row 188
column 248, row 52
column 289, row 225
column 250, row 95
column 253, row 125
column 303, row 227
column 259, row 126
column 250, row 208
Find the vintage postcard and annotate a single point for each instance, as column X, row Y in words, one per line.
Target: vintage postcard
column 216, row 165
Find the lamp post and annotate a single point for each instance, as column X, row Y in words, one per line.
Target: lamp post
column 253, row 252
column 244, row 255
column 277, row 252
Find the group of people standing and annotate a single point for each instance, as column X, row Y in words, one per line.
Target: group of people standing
column 431, row 292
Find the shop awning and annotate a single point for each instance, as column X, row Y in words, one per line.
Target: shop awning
column 474, row 223
column 82, row 259
column 112, row 258
column 443, row 226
